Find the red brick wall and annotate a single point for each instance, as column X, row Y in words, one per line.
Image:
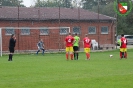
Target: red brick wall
column 54, row 41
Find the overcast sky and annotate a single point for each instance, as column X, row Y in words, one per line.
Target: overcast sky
column 28, row 3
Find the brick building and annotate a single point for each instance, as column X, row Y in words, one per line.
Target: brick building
column 98, row 26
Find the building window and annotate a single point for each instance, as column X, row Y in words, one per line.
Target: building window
column 44, row 31
column 9, row 31
column 25, row 31
column 92, row 30
column 76, row 30
column 64, row 30
column 104, row 30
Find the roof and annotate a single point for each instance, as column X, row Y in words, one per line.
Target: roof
column 49, row 13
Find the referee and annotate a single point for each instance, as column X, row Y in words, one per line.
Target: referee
column 76, row 46
column 12, row 43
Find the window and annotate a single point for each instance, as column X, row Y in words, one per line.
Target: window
column 9, row 31
column 25, row 31
column 76, row 30
column 92, row 30
column 104, row 30
column 44, row 31
column 64, row 30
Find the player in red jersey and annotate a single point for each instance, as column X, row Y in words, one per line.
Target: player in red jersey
column 87, row 46
column 123, row 47
column 69, row 46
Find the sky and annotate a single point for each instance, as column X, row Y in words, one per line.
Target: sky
column 28, row 3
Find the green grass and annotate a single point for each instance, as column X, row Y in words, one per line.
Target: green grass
column 53, row 71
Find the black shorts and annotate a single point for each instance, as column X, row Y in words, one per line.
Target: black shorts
column 11, row 49
column 75, row 48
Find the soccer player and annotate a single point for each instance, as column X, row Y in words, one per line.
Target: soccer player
column 69, row 46
column 12, row 43
column 87, row 46
column 76, row 46
column 40, row 46
column 123, row 47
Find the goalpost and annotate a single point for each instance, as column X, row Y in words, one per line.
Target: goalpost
column 0, row 42
column 27, row 42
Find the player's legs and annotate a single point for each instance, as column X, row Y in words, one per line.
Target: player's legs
column 10, row 57
column 42, row 51
column 77, row 55
column 121, row 53
column 87, row 51
column 11, row 49
column 71, row 52
column 125, row 54
column 38, row 51
column 74, row 52
column 75, row 48
column 67, row 52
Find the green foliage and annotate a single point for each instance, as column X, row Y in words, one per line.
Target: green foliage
column 46, row 4
column 53, row 3
column 125, row 24
column 105, row 9
column 88, row 4
column 53, row 71
column 11, row 3
column 109, row 10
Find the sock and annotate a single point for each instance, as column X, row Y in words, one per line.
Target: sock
column 43, row 51
column 37, row 51
column 77, row 55
column 71, row 56
column 9, row 57
column 88, row 55
column 120, row 54
column 125, row 55
column 67, row 56
column 74, row 55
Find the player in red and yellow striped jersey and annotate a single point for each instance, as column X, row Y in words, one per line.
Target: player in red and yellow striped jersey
column 69, row 46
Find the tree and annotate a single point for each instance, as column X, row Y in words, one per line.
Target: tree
column 53, row 3
column 105, row 9
column 129, row 21
column 66, row 3
column 11, row 3
column 88, row 4
column 109, row 10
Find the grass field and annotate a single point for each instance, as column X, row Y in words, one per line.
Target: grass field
column 53, row 71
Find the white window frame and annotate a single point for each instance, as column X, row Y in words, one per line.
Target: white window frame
column 91, row 29
column 107, row 30
column 25, row 28
column 45, row 31
column 9, row 28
